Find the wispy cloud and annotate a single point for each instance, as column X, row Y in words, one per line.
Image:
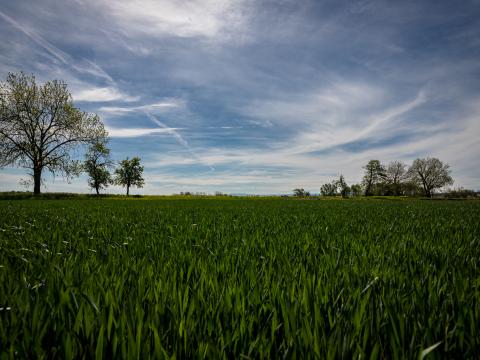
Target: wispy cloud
column 178, row 137
column 104, row 94
column 136, row 132
column 154, row 107
column 83, row 66
column 195, row 18
column 58, row 54
column 89, row 67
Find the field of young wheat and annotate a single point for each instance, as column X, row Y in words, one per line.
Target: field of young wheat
column 239, row 278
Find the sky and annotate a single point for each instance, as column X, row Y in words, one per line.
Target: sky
column 258, row 97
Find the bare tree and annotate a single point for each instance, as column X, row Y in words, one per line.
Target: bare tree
column 374, row 173
column 395, row 174
column 431, row 173
column 40, row 126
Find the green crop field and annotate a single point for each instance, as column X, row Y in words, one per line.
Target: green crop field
column 239, row 278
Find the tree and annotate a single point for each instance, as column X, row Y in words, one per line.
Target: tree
column 97, row 162
column 431, row 173
column 395, row 174
column 40, row 126
column 129, row 174
column 356, row 189
column 329, row 189
column 343, row 187
column 374, row 174
column 300, row 192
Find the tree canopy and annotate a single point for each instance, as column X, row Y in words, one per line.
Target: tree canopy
column 395, row 174
column 97, row 162
column 374, row 173
column 129, row 173
column 40, row 126
column 431, row 173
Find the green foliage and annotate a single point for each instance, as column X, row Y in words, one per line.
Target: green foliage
column 300, row 192
column 96, row 164
column 356, row 189
column 239, row 278
column 395, row 175
column 375, row 173
column 329, row 189
column 431, row 174
column 335, row 187
column 343, row 187
column 129, row 173
column 40, row 127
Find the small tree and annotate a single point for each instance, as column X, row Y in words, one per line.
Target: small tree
column 374, row 174
column 299, row 192
column 431, row 173
column 40, row 126
column 329, row 189
column 343, row 187
column 129, row 174
column 97, row 162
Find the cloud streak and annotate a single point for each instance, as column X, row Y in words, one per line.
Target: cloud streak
column 58, row 54
column 137, row 132
column 158, row 106
column 84, row 66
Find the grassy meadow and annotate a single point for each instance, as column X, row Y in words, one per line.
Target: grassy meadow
column 239, row 278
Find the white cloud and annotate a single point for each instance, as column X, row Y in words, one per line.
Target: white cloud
column 88, row 67
column 136, row 132
column 379, row 123
column 193, row 18
column 326, row 106
column 101, row 94
column 166, row 105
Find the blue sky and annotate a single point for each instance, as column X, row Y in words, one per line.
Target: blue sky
column 259, row 96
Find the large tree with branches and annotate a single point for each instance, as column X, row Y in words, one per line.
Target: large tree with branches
column 431, row 173
column 40, row 126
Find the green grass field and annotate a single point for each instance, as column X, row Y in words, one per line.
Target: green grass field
column 239, row 278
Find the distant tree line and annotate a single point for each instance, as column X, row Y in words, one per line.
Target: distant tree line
column 40, row 128
column 422, row 177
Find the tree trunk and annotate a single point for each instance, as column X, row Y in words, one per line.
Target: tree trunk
column 37, row 180
column 128, row 190
column 426, row 190
column 96, row 189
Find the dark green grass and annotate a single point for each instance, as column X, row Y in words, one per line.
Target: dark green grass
column 239, row 278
